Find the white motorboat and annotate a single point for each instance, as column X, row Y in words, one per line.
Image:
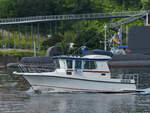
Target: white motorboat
column 89, row 73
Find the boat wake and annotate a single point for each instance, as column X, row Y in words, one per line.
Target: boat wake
column 144, row 92
column 30, row 91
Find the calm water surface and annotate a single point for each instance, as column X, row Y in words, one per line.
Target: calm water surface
column 16, row 100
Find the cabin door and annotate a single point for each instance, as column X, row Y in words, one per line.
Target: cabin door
column 78, row 71
column 78, row 67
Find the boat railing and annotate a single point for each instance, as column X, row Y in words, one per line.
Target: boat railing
column 126, row 78
column 36, row 68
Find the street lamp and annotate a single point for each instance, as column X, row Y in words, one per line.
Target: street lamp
column 105, row 46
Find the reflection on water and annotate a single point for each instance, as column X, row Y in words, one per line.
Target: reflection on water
column 12, row 100
column 75, row 103
column 82, row 103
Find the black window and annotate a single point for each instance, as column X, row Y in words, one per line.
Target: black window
column 69, row 64
column 92, row 65
column 86, row 64
column 78, row 64
column 57, row 64
column 89, row 65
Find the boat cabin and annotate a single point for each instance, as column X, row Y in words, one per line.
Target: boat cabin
column 88, row 65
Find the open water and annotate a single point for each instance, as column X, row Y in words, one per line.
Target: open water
column 15, row 99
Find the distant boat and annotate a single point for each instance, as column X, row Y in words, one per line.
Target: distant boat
column 89, row 73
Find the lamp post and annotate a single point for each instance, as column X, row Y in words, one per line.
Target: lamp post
column 146, row 19
column 105, row 46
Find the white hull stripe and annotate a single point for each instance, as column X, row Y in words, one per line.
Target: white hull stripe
column 90, row 71
column 81, row 79
column 86, row 90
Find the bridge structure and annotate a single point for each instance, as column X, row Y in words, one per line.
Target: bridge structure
column 127, row 18
column 131, row 19
column 92, row 16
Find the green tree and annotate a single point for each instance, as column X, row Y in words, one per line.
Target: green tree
column 51, row 41
column 145, row 4
column 68, row 37
column 7, row 8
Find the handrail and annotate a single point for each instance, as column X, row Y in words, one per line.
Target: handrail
column 32, row 19
column 128, row 20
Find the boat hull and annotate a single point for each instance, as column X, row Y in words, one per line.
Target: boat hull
column 64, row 84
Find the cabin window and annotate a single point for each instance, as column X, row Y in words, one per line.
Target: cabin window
column 78, row 64
column 89, row 65
column 57, row 64
column 69, row 64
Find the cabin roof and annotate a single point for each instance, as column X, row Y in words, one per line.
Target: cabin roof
column 87, row 57
column 98, row 52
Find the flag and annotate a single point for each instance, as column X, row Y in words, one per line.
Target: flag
column 120, row 35
column 115, row 39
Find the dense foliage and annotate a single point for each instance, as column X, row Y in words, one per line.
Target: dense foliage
column 85, row 32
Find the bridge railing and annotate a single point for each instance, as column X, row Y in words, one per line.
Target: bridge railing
column 127, row 20
column 68, row 17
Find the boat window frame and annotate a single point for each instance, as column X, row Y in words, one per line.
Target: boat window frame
column 69, row 64
column 77, row 66
column 89, row 64
column 57, row 63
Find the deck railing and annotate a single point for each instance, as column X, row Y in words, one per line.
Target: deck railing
column 36, row 68
column 126, row 78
